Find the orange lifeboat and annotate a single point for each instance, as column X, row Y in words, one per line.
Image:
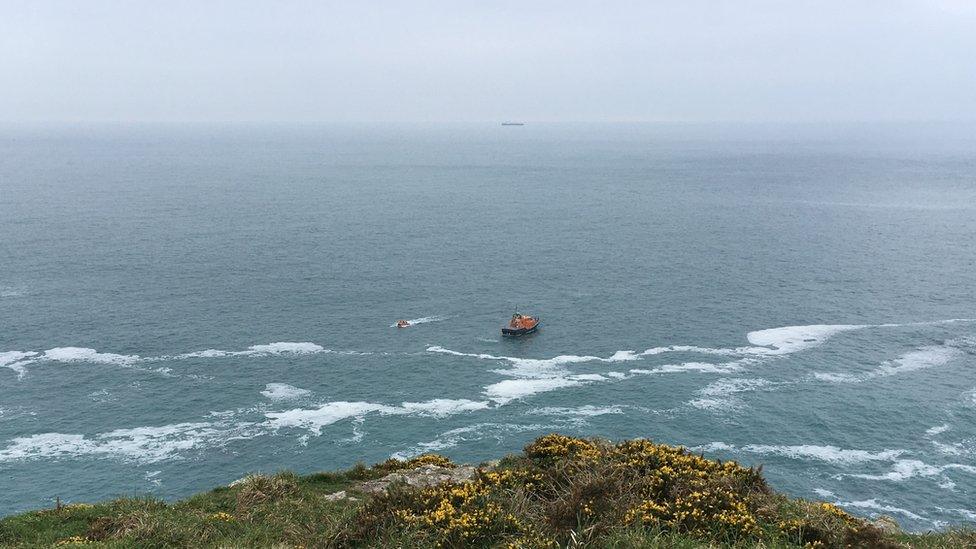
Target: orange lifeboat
column 402, row 324
column 520, row 325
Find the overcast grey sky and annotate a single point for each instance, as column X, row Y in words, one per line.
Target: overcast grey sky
column 459, row 60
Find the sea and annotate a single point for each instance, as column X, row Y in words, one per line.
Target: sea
column 181, row 305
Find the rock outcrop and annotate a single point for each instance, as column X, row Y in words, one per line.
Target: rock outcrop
column 421, row 477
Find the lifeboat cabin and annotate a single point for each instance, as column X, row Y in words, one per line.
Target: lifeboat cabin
column 520, row 325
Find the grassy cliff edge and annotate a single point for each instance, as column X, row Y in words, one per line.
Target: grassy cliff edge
column 560, row 492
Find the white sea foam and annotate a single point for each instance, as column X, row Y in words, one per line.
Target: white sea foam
column 623, row 356
column 83, row 354
column 314, row 419
column 836, row 377
column 932, row 431
column 358, row 433
column 12, row 291
column 792, row 339
column 533, row 376
column 424, row 320
column 715, row 404
column 9, row 357
column 729, row 386
column 534, row 365
column 951, row 449
column 541, row 375
column 965, row 513
column 152, row 477
column 510, row 389
column 442, row 407
column 582, row 411
column 925, row 357
column 919, row 359
column 874, row 505
column 141, row 444
column 703, row 367
column 286, row 347
column 829, row 454
column 721, row 395
column 904, row 469
column 270, row 349
column 209, row 353
column 17, row 361
column 698, row 350
column 442, row 350
column 540, row 364
column 454, row 437
column 283, row 391
column 588, row 377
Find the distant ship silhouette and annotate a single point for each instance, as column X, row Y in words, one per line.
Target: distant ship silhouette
column 513, row 123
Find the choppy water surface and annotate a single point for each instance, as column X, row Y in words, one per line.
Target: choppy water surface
column 181, row 306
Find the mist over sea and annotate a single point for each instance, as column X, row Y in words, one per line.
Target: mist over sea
column 180, row 306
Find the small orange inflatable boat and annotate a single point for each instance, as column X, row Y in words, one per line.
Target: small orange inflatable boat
column 402, row 324
column 520, row 325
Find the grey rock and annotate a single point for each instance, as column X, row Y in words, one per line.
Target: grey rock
column 421, row 477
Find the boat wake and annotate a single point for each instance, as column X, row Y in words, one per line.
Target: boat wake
column 423, row 320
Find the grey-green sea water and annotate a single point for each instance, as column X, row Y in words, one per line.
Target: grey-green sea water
column 181, row 306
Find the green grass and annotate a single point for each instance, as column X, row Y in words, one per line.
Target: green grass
column 562, row 492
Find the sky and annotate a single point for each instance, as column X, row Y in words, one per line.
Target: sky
column 483, row 60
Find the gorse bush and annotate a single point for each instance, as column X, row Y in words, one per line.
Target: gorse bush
column 561, row 492
column 566, row 489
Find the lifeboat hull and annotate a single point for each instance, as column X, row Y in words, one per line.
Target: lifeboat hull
column 515, row 332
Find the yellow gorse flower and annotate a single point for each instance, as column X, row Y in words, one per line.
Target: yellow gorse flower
column 681, row 491
column 221, row 516
column 74, row 540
